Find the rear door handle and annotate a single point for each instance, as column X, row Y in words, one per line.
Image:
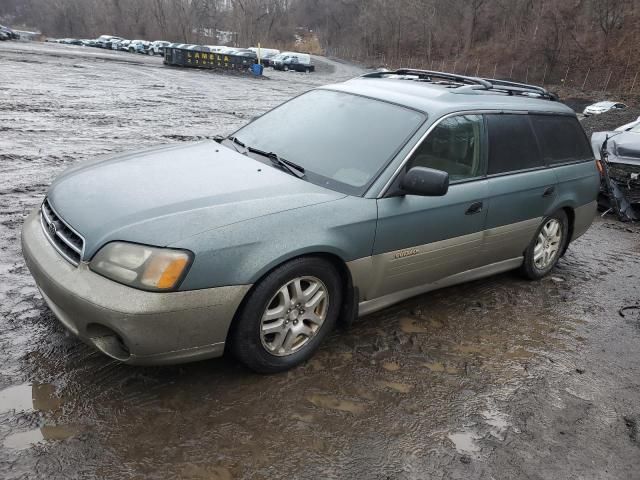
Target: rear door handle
column 474, row 208
column 549, row 191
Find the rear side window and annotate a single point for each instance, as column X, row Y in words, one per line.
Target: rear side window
column 561, row 139
column 512, row 145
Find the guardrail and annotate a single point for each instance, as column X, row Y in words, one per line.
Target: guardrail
column 180, row 57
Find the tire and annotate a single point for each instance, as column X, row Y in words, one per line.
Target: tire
column 286, row 68
column 268, row 336
column 546, row 248
column 151, row 52
column 307, row 70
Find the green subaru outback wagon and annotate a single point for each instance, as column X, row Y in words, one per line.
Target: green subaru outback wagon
column 338, row 203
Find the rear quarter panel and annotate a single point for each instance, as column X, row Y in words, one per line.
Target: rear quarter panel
column 578, row 187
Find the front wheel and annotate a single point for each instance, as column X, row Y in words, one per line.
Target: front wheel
column 546, row 247
column 286, row 68
column 287, row 315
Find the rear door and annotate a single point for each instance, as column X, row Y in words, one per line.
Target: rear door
column 420, row 240
column 522, row 189
column 566, row 148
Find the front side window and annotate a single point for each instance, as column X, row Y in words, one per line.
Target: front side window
column 341, row 140
column 561, row 139
column 454, row 146
column 512, row 145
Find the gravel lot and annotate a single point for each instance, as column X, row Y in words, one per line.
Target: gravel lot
column 499, row 378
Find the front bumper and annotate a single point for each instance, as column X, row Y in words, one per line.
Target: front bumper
column 130, row 325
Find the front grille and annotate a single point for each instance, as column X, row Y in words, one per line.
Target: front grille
column 64, row 239
column 627, row 177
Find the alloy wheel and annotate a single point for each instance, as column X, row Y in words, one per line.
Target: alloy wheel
column 548, row 244
column 294, row 315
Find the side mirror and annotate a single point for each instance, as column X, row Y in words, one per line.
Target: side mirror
column 425, row 182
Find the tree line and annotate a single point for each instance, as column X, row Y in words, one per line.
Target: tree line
column 379, row 32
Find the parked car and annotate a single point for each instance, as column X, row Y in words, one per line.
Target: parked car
column 266, row 54
column 245, row 52
column 265, row 51
column 8, row 34
column 157, row 47
column 138, row 46
column 267, row 58
column 373, row 191
column 197, row 48
column 106, row 41
column 620, row 168
column 601, row 107
column 88, row 43
column 299, row 62
column 121, row 45
column 71, row 41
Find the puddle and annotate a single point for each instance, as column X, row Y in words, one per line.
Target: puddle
column 465, row 442
column 334, row 403
column 411, row 325
column 391, row 366
column 23, row 440
column 27, row 397
column 397, row 386
column 498, row 423
column 208, row 472
column 438, row 367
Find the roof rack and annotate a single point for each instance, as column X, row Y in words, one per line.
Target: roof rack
column 466, row 83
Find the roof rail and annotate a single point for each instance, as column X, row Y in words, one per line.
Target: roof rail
column 430, row 75
column 471, row 83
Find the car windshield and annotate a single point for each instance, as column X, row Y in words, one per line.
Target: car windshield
column 341, row 140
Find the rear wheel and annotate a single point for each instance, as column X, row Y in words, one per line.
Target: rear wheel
column 546, row 247
column 307, row 70
column 286, row 68
column 287, row 315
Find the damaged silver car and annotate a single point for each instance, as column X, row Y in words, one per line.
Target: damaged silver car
column 618, row 155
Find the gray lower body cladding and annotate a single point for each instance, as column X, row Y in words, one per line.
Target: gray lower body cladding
column 129, row 325
column 390, row 277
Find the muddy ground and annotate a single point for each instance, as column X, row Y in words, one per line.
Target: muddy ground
column 497, row 379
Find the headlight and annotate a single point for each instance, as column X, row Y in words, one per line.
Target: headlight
column 140, row 266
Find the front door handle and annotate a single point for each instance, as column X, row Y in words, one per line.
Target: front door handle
column 549, row 191
column 474, row 208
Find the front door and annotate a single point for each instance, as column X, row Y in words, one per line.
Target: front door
column 420, row 240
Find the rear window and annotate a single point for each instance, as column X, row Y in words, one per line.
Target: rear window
column 561, row 139
column 512, row 144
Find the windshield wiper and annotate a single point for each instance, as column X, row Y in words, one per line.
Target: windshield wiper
column 237, row 142
column 287, row 165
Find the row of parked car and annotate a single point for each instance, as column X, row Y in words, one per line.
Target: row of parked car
column 269, row 57
column 7, row 34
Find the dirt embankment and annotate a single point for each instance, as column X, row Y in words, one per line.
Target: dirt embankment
column 610, row 120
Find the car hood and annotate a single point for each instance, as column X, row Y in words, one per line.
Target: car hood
column 162, row 195
column 622, row 147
